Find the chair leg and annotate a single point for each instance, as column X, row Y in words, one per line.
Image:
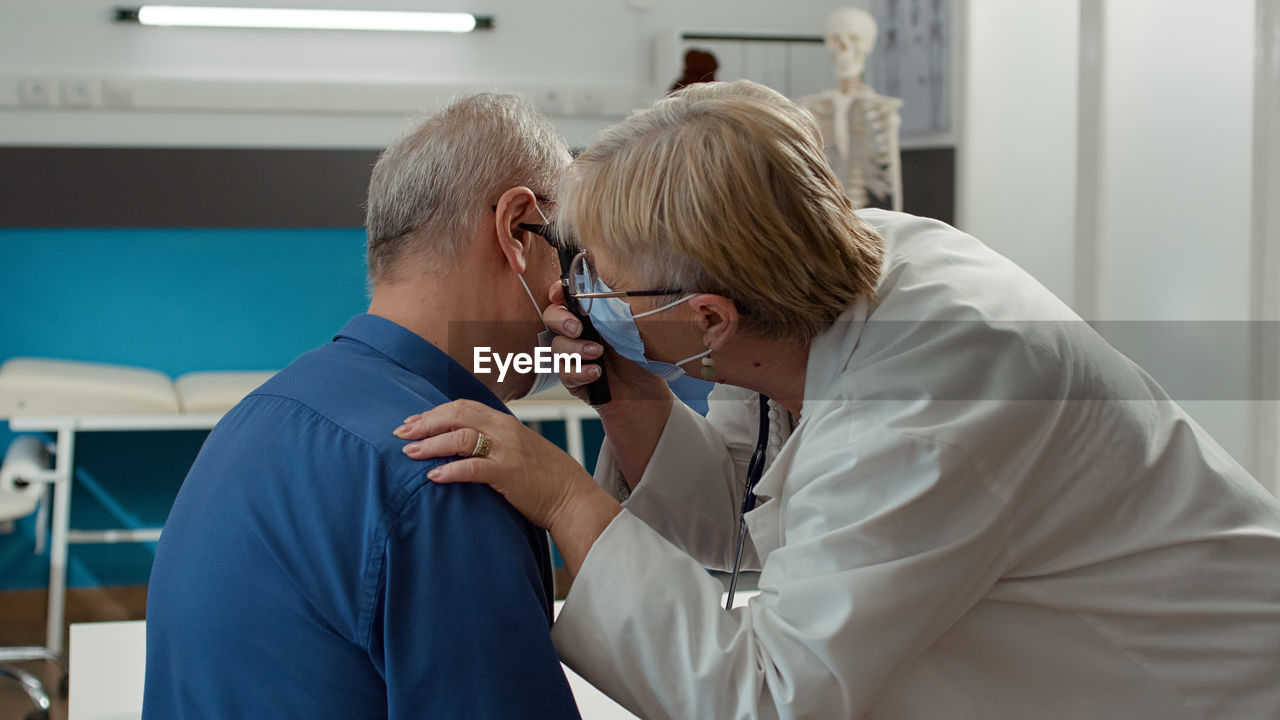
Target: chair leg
column 30, row 685
column 25, row 654
column 42, row 521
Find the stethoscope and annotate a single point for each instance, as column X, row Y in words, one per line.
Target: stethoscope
column 754, row 470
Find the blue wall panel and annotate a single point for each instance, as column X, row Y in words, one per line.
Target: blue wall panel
column 177, row 300
column 174, row 300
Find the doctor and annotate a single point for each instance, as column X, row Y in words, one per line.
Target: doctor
column 972, row 506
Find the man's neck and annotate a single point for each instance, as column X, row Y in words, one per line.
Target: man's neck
column 443, row 311
column 415, row 307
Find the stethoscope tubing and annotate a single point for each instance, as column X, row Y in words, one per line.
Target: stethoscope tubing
column 755, row 469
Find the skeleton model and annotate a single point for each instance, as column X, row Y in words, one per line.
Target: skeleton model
column 859, row 127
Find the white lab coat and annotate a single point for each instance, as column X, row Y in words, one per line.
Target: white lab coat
column 985, row 512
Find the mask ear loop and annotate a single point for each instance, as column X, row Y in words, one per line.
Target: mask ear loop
column 520, row 276
column 669, row 305
column 529, row 292
column 699, row 356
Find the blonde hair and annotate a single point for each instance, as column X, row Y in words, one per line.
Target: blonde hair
column 724, row 188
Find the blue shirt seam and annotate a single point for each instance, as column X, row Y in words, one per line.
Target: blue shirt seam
column 375, row 561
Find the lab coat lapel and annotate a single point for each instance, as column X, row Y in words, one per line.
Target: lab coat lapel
column 764, row 523
column 829, row 356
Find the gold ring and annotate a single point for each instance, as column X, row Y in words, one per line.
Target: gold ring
column 483, row 443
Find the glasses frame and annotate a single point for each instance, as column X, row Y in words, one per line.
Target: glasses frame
column 581, row 257
column 564, row 245
column 570, row 255
column 543, row 231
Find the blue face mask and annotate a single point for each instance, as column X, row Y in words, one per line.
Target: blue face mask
column 617, row 326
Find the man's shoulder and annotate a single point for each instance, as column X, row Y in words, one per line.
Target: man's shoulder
column 343, row 399
column 355, row 387
column 319, row 372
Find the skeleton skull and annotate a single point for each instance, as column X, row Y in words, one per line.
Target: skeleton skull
column 850, row 37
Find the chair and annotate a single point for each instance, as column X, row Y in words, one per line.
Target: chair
column 25, row 475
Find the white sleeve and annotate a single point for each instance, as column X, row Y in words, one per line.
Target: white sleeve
column 886, row 541
column 691, row 490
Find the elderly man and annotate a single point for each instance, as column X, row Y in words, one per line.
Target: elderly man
column 308, row 568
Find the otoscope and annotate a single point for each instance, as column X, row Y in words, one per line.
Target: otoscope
column 598, row 389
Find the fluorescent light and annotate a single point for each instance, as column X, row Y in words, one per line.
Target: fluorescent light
column 170, row 15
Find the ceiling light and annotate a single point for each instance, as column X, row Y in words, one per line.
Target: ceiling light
column 175, row 16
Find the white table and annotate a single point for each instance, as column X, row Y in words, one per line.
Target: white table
column 108, row 663
column 108, row 667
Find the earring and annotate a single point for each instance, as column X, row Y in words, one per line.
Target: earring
column 708, row 368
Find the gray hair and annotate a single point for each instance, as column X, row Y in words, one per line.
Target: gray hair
column 432, row 187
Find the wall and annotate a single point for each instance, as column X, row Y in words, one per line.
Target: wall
column 175, row 300
column 1017, row 150
column 1266, row 236
column 552, row 44
column 1174, row 215
column 1137, row 209
column 1178, row 140
column 178, row 300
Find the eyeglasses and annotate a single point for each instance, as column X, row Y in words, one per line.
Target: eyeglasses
column 561, row 242
column 543, row 231
column 583, row 283
column 546, row 232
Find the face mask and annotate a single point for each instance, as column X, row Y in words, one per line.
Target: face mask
column 617, row 326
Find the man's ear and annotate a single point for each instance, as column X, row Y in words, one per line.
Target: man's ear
column 716, row 319
column 515, row 206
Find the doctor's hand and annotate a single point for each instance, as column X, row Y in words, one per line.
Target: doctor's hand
column 627, row 380
column 541, row 481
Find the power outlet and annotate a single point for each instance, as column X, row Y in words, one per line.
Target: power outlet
column 587, row 101
column 117, row 93
column 80, row 92
column 37, row 91
column 551, row 101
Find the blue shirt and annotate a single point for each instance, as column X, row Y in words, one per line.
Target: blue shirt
column 309, row 569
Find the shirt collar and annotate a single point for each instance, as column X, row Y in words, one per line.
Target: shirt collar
column 410, row 351
column 831, row 351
